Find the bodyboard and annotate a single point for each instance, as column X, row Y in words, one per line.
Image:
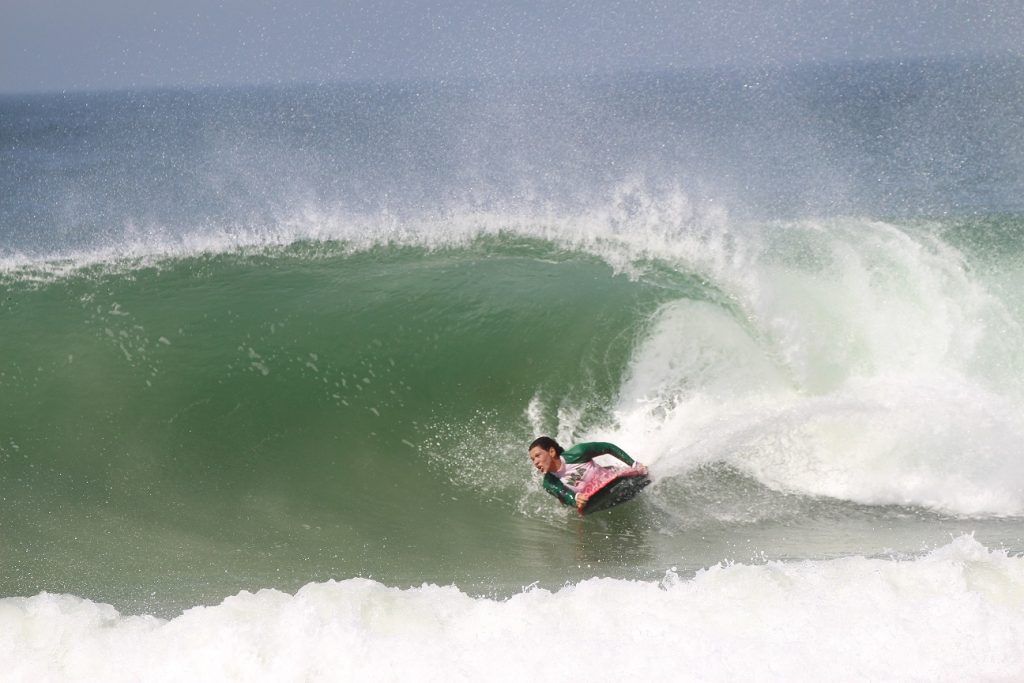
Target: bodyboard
column 620, row 488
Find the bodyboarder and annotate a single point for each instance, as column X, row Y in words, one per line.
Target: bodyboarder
column 571, row 475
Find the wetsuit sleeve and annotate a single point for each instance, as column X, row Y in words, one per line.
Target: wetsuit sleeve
column 590, row 450
column 556, row 488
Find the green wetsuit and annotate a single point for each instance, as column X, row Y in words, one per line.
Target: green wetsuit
column 581, row 452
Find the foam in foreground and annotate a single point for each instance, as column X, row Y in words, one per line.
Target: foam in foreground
column 954, row 614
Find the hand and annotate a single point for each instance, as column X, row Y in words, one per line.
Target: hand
column 641, row 468
column 581, row 500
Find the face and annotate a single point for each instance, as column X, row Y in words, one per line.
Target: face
column 544, row 460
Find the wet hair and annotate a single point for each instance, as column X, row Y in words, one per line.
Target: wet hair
column 547, row 443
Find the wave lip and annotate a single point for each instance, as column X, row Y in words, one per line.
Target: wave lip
column 956, row 613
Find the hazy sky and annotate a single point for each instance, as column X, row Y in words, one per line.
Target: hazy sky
column 90, row 44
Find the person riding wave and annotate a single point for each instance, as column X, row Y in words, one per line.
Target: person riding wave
column 571, row 475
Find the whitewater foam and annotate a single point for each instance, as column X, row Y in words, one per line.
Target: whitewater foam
column 954, row 614
column 853, row 360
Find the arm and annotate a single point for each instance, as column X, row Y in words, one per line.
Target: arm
column 588, row 451
column 556, row 488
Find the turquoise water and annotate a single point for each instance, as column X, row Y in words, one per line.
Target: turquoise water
column 294, row 411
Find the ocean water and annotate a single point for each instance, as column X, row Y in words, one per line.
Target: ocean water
column 270, row 359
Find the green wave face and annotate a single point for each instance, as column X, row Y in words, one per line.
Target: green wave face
column 294, row 414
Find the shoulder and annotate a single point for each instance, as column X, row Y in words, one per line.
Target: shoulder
column 583, row 451
column 592, row 448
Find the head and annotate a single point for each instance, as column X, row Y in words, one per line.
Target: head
column 545, row 452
